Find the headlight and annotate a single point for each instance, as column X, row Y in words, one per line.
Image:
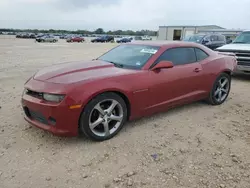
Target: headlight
column 53, row 97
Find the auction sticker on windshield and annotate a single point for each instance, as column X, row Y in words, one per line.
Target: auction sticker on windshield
column 138, row 63
column 149, row 51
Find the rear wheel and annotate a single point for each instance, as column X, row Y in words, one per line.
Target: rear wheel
column 103, row 117
column 220, row 90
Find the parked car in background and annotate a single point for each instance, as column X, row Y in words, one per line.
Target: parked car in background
column 124, row 40
column 46, row 38
column 62, row 37
column 211, row 41
column 19, row 35
column 130, row 81
column 103, row 39
column 241, row 48
column 186, row 38
column 75, row 39
column 137, row 38
column 26, row 35
column 229, row 40
column 146, row 37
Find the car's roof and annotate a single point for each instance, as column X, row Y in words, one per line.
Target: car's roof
column 165, row 43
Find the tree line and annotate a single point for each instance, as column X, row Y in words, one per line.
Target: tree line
column 85, row 32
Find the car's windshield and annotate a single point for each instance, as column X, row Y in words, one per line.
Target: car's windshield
column 196, row 38
column 243, row 38
column 186, row 38
column 130, row 56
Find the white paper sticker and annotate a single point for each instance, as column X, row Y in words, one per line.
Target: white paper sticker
column 149, row 51
column 138, row 63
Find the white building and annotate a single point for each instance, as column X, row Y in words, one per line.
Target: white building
column 179, row 32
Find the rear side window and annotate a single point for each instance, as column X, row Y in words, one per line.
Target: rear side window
column 214, row 38
column 179, row 56
column 200, row 54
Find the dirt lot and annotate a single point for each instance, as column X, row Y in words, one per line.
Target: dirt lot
column 192, row 146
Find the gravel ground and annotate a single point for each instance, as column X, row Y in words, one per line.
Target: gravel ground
column 195, row 145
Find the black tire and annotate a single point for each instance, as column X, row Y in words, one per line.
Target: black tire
column 84, row 126
column 212, row 98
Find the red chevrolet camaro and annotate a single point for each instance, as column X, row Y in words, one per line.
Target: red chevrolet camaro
column 130, row 81
column 75, row 39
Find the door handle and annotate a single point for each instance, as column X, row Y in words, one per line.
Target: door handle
column 197, row 70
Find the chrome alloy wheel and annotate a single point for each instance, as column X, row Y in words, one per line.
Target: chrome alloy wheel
column 106, row 117
column 222, row 89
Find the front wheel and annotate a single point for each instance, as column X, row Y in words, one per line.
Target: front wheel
column 220, row 90
column 103, row 117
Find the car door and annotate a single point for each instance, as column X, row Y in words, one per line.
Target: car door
column 179, row 84
column 203, row 60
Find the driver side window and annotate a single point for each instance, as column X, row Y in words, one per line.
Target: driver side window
column 178, row 56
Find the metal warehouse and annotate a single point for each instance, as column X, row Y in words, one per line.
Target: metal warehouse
column 179, row 32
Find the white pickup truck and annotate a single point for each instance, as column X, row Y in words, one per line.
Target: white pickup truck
column 241, row 49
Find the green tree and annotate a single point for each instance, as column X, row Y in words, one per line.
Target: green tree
column 118, row 32
column 99, row 31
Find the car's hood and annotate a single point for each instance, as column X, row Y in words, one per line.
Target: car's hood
column 73, row 72
column 235, row 47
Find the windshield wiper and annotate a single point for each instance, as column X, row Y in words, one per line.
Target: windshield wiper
column 116, row 64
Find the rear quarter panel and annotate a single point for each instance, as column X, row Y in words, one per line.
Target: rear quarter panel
column 214, row 66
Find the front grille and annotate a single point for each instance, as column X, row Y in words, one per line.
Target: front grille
column 243, row 62
column 35, row 94
column 242, row 56
column 35, row 115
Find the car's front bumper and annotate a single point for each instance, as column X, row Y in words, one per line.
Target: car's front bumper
column 240, row 69
column 56, row 118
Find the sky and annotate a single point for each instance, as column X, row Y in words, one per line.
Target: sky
column 122, row 14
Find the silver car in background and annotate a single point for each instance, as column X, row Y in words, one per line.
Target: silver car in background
column 47, row 38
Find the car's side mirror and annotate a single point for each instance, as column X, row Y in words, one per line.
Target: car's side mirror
column 163, row 65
